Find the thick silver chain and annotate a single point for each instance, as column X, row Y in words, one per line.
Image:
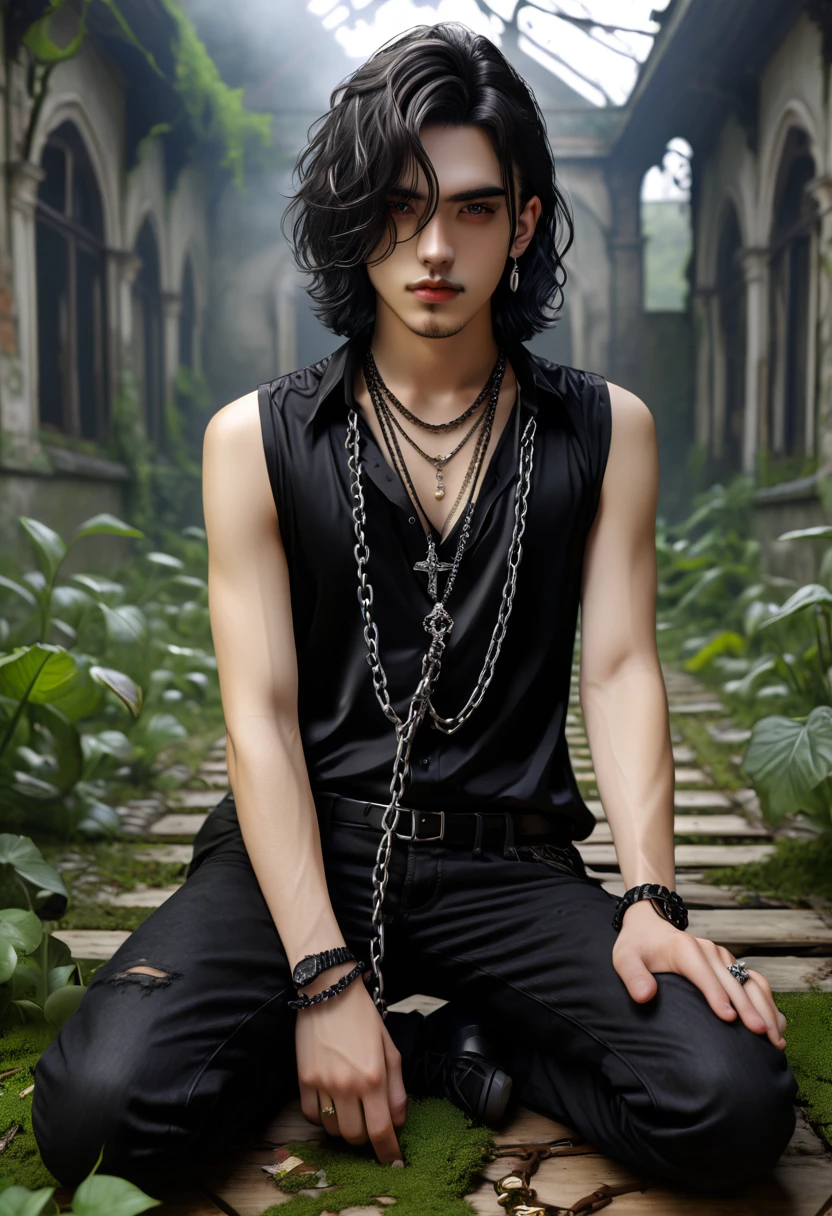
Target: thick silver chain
column 438, row 624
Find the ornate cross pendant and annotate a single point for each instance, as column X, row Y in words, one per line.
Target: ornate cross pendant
column 432, row 566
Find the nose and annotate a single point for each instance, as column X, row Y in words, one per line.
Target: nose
column 433, row 245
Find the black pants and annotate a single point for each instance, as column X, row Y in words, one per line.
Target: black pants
column 157, row 1070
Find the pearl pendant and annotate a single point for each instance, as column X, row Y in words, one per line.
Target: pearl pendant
column 440, row 493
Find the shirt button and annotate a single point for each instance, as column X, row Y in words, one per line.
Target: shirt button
column 425, row 762
column 412, row 519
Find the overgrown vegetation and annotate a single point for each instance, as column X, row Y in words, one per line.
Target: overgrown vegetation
column 104, row 682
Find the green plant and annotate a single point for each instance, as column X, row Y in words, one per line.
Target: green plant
column 39, row 982
column 97, row 1195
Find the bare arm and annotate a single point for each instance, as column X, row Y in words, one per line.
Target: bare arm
column 622, row 690
column 251, row 623
column 624, row 702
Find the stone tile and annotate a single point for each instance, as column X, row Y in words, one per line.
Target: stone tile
column 728, row 734
column 166, row 853
column 691, row 776
column 92, row 943
column 140, row 897
column 695, row 707
column 683, row 754
column 194, row 800
column 703, row 800
column 177, row 825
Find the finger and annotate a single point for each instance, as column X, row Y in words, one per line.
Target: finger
column 762, row 983
column 757, row 1011
column 692, row 962
column 763, row 1002
column 380, row 1126
column 639, row 981
column 396, row 1092
column 330, row 1123
column 350, row 1119
column 309, row 1102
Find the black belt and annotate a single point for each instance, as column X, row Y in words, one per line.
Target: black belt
column 473, row 829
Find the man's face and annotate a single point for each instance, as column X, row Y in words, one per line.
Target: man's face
column 466, row 243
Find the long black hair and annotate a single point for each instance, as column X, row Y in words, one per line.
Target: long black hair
column 443, row 74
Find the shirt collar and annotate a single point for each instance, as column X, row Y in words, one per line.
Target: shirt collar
column 336, row 385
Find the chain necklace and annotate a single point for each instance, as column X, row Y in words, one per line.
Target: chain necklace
column 438, row 462
column 438, row 624
column 429, row 426
column 432, row 565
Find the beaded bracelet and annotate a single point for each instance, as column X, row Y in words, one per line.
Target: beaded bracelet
column 303, row 1001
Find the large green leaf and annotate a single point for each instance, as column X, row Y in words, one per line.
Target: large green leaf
column 127, row 690
column 81, row 696
column 787, row 759
column 48, row 547
column 819, row 532
column 20, row 856
column 105, row 1195
column 126, row 624
column 72, row 603
column 67, row 750
column 98, row 586
column 21, row 928
column 60, row 1006
column 36, row 672
column 105, row 525
column 19, row 1201
column 8, row 960
column 20, row 590
column 805, row 597
column 165, row 561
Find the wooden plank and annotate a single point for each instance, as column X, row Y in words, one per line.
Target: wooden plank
column 746, row 927
column 92, row 943
column 791, row 973
column 798, row 1185
column 693, row 893
column 686, row 800
column 177, row 825
column 686, row 855
column 734, row 826
column 696, row 707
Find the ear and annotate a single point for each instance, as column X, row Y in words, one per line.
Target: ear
column 526, row 224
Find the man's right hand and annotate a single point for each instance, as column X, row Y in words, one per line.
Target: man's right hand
column 347, row 1059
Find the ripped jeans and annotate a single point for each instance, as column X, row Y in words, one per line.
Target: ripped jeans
column 196, row 1049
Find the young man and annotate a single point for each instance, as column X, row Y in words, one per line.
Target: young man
column 401, row 786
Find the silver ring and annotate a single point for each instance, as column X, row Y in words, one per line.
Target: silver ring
column 327, row 1110
column 739, row 972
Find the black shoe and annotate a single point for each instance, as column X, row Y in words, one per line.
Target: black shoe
column 455, row 1058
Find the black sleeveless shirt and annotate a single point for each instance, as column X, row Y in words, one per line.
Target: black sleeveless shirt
column 511, row 753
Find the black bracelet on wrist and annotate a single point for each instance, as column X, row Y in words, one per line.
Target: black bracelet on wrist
column 303, row 1001
column 311, row 965
column 666, row 903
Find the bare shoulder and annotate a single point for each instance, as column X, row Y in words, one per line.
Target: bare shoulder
column 629, row 412
column 235, row 478
column 237, row 422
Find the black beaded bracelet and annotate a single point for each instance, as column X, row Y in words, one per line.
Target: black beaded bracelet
column 303, row 1001
column 666, row 903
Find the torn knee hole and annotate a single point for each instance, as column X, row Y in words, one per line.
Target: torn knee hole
column 143, row 975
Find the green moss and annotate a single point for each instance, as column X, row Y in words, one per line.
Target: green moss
column 21, row 1161
column 795, row 869
column 442, row 1151
column 809, row 1052
column 92, row 915
column 715, row 757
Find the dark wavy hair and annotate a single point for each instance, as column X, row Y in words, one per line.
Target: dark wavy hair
column 444, row 74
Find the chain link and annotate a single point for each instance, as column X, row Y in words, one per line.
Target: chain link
column 438, row 624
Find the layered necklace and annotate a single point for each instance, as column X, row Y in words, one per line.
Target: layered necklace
column 438, row 623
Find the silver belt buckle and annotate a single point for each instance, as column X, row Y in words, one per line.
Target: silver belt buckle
column 415, row 835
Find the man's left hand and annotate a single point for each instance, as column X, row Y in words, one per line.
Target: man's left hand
column 647, row 943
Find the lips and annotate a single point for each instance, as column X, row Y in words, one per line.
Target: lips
column 435, row 295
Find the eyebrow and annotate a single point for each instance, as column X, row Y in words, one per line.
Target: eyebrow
column 462, row 196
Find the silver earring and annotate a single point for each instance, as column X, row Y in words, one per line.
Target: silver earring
column 515, row 277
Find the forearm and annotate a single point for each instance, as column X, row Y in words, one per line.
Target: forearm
column 628, row 729
column 268, row 775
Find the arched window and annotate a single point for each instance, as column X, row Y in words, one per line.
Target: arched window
column 730, row 361
column 148, row 333
column 71, row 290
column 666, row 229
column 187, row 318
column 790, row 312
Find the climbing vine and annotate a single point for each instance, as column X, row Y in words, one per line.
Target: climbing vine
column 215, row 112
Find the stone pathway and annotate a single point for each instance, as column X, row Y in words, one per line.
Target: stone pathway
column 792, row 947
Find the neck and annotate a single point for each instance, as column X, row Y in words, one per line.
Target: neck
column 434, row 376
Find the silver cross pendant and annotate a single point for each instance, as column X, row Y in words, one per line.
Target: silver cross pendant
column 432, row 566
